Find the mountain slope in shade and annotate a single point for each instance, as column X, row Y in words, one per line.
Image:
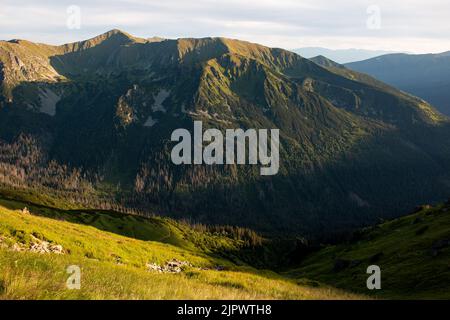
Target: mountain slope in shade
column 426, row 75
column 351, row 149
column 325, row 62
column 340, row 55
column 146, row 258
column 342, row 70
column 412, row 253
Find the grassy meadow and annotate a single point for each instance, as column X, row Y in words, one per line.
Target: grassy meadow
column 113, row 250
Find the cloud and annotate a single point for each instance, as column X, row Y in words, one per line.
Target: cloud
column 404, row 25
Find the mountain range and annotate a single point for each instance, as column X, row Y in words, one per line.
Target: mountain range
column 340, row 55
column 160, row 258
column 424, row 75
column 95, row 117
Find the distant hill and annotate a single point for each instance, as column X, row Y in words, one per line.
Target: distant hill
column 340, row 55
column 350, row 74
column 94, row 118
column 325, row 62
column 425, row 75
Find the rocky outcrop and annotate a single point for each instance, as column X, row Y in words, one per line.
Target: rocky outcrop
column 171, row 266
column 46, row 247
column 36, row 245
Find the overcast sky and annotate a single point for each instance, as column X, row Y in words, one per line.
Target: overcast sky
column 396, row 25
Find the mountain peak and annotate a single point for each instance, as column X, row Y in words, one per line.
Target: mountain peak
column 114, row 38
column 325, row 62
column 111, row 34
column 116, row 33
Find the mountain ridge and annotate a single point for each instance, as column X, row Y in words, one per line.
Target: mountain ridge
column 424, row 75
column 341, row 55
column 109, row 109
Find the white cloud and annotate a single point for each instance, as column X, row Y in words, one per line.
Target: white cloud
column 414, row 25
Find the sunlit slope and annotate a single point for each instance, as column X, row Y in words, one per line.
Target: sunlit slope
column 116, row 267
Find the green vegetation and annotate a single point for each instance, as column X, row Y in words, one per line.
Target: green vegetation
column 113, row 253
column 91, row 123
column 413, row 253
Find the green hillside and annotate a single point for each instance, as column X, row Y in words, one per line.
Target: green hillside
column 118, row 254
column 114, row 252
column 413, row 253
column 91, row 121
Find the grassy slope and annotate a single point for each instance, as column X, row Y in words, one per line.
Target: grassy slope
column 113, row 265
column 113, row 249
column 409, row 269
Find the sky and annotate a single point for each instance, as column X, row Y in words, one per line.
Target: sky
column 414, row 26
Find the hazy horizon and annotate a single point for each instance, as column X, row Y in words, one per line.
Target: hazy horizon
column 413, row 27
column 214, row 36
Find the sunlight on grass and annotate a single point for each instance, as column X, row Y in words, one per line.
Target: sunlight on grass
column 27, row 275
